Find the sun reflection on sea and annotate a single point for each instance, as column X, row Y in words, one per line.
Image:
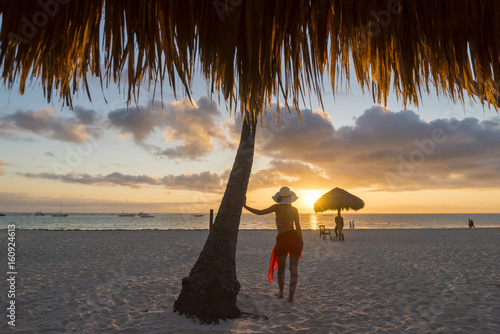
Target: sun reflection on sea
column 314, row 222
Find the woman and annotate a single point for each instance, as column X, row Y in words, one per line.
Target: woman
column 288, row 241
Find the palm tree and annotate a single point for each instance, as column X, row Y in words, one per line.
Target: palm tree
column 212, row 281
column 250, row 52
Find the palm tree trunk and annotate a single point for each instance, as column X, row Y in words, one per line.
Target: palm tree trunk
column 210, row 291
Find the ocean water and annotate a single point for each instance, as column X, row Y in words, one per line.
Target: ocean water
column 185, row 221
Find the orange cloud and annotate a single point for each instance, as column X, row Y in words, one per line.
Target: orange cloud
column 190, row 127
column 383, row 150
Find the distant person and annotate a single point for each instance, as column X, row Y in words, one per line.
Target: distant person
column 350, row 224
column 289, row 240
column 471, row 223
column 339, row 226
column 353, row 224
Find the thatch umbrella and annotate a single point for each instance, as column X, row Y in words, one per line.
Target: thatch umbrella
column 338, row 199
column 250, row 52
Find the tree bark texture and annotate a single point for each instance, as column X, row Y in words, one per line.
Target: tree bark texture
column 210, row 291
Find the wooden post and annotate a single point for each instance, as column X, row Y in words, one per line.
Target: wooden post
column 211, row 219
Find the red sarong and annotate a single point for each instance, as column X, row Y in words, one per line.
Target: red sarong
column 287, row 243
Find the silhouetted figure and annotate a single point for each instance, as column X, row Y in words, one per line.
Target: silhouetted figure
column 471, row 223
column 339, row 226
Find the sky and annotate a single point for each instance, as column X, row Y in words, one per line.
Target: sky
column 175, row 155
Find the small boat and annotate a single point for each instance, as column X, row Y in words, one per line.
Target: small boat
column 60, row 213
column 123, row 214
column 39, row 213
column 2, row 214
column 197, row 215
column 146, row 215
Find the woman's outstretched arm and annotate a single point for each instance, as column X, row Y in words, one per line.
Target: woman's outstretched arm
column 270, row 209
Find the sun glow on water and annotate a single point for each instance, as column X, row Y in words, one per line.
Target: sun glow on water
column 314, row 222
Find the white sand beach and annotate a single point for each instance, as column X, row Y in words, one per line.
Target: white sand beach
column 376, row 281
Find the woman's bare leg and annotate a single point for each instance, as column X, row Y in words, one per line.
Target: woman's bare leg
column 294, row 269
column 281, row 274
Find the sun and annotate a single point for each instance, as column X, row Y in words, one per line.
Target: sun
column 309, row 197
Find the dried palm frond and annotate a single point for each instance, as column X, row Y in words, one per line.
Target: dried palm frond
column 251, row 51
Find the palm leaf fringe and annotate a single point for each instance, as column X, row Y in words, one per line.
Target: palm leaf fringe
column 251, row 51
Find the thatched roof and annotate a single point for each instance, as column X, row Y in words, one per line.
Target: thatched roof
column 251, row 51
column 338, row 199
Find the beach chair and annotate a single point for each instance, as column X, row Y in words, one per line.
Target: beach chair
column 323, row 232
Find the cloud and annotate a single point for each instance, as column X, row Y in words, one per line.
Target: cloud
column 2, row 171
column 289, row 172
column 132, row 181
column 87, row 117
column 194, row 126
column 6, row 130
column 207, row 181
column 189, row 127
column 383, row 150
column 203, row 182
column 287, row 133
column 139, row 123
column 46, row 123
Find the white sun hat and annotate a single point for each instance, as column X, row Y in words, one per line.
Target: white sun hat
column 285, row 196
